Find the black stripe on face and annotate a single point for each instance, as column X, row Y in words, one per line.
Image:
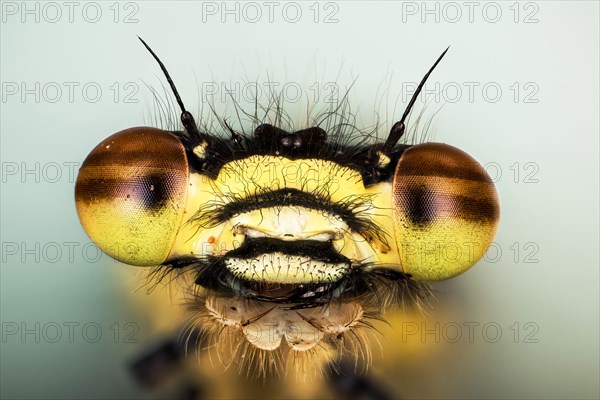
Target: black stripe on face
column 282, row 198
column 316, row 250
column 373, row 286
column 347, row 209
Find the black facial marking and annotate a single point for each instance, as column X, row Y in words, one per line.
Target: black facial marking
column 213, row 214
column 309, row 143
column 281, row 142
column 316, row 250
column 391, row 274
column 361, row 281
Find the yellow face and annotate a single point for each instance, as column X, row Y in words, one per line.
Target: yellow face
column 248, row 181
column 282, row 250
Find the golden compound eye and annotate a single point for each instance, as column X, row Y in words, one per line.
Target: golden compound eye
column 446, row 211
column 130, row 194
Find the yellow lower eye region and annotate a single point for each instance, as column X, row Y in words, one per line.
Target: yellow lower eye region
column 446, row 211
column 130, row 194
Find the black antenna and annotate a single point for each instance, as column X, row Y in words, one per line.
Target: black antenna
column 186, row 118
column 398, row 129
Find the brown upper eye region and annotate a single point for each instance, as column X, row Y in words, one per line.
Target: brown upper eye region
column 143, row 167
column 435, row 181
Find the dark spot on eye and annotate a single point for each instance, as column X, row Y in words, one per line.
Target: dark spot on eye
column 420, row 205
column 153, row 191
column 233, row 308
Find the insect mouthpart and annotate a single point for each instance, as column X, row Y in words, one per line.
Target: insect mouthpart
column 268, row 259
column 287, row 256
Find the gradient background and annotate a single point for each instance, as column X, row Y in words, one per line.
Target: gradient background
column 549, row 287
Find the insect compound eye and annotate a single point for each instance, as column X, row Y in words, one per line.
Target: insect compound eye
column 130, row 194
column 446, row 211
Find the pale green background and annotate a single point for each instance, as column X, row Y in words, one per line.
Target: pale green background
column 559, row 213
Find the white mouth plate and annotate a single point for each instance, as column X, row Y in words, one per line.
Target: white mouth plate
column 282, row 268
